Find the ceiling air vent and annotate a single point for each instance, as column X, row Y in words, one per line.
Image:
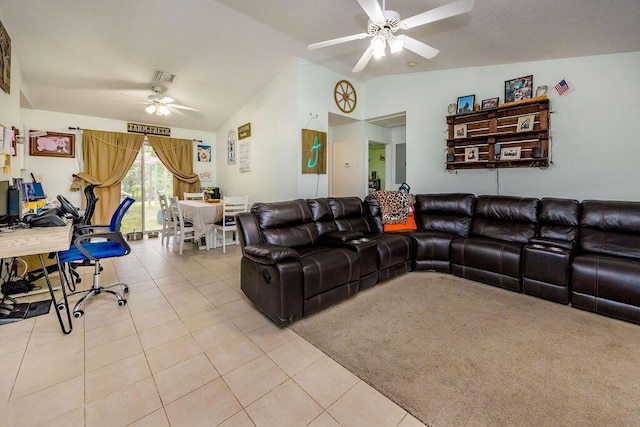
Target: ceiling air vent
column 163, row 76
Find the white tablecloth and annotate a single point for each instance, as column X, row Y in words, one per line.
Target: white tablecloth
column 202, row 214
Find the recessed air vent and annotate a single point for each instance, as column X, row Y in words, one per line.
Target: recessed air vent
column 163, row 76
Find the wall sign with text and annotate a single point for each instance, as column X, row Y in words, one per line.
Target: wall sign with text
column 314, row 151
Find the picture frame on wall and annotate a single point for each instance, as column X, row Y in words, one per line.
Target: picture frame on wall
column 459, row 131
column 490, row 103
column 526, row 123
column 465, row 103
column 518, row 89
column 471, row 154
column 510, row 153
column 231, row 147
column 53, row 144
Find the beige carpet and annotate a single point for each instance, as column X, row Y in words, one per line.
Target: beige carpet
column 455, row 352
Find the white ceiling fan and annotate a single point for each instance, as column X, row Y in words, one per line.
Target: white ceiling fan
column 164, row 105
column 383, row 24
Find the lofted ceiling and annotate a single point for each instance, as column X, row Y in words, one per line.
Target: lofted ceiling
column 98, row 58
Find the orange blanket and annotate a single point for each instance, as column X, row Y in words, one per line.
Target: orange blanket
column 407, row 226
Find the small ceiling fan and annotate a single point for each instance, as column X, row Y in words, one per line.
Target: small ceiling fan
column 163, row 105
column 383, row 25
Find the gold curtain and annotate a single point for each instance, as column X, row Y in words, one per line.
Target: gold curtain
column 177, row 156
column 108, row 156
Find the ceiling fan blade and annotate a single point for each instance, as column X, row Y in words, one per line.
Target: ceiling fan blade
column 337, row 41
column 442, row 12
column 174, row 110
column 166, row 100
column 418, row 47
column 373, row 10
column 364, row 60
column 183, row 107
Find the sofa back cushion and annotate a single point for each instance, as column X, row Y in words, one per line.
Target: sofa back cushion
column 559, row 218
column 449, row 213
column 349, row 215
column 513, row 219
column 610, row 228
column 372, row 205
column 286, row 223
column 322, row 215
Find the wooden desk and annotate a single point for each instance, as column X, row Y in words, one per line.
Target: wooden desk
column 202, row 214
column 36, row 241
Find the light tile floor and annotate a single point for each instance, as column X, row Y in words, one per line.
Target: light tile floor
column 187, row 350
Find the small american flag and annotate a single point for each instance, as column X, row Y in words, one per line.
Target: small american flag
column 562, row 87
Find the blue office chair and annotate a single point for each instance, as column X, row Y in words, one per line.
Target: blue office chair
column 111, row 244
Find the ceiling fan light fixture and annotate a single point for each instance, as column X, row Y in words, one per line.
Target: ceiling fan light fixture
column 395, row 44
column 378, row 45
column 150, row 109
column 162, row 111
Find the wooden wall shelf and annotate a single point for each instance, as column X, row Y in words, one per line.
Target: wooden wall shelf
column 486, row 128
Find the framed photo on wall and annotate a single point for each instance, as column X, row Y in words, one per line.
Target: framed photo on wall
column 510, row 153
column 490, row 103
column 526, row 123
column 53, row 144
column 518, row 89
column 459, row 131
column 471, row 154
column 465, row 103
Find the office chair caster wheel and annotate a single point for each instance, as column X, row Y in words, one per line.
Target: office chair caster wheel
column 126, row 289
column 122, row 302
column 78, row 313
column 61, row 307
column 78, row 280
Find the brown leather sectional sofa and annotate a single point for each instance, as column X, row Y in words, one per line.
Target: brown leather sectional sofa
column 300, row 256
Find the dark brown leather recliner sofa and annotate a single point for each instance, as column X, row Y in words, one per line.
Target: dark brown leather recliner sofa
column 605, row 271
column 303, row 255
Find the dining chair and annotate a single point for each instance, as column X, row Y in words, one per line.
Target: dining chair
column 230, row 207
column 167, row 219
column 193, row 196
column 182, row 230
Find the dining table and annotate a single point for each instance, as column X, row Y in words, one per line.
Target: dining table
column 202, row 214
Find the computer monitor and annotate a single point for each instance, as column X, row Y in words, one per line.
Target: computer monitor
column 15, row 200
column 32, row 191
column 4, row 198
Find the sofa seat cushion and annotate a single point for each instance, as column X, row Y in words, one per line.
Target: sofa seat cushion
column 327, row 268
column 484, row 253
column 393, row 249
column 607, row 277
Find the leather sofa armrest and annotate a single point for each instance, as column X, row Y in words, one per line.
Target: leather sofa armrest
column 552, row 243
column 268, row 254
column 340, row 236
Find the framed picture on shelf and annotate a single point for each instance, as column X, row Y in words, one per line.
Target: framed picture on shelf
column 490, row 103
column 465, row 103
column 510, row 153
column 471, row 154
column 459, row 131
column 53, row 144
column 518, row 89
column 526, row 123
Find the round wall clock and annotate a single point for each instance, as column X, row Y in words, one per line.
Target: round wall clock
column 345, row 96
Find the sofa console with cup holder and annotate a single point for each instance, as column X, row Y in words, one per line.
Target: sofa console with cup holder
column 301, row 256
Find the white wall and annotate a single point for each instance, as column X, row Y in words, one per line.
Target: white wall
column 272, row 114
column 56, row 172
column 10, row 114
column 315, row 97
column 277, row 114
column 594, row 154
